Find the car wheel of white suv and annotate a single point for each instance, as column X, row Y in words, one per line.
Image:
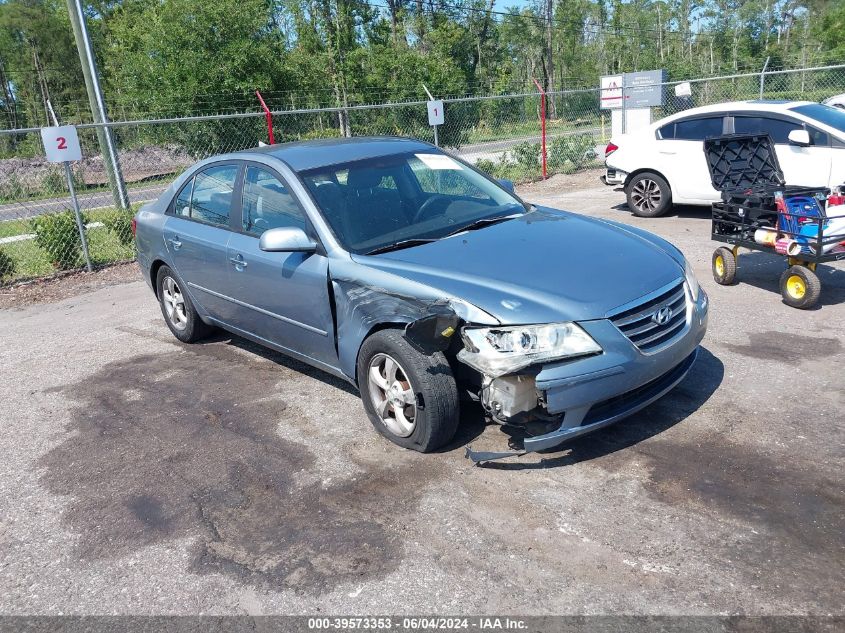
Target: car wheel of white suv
column 649, row 195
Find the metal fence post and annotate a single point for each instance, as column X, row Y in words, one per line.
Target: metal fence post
column 763, row 76
column 98, row 104
column 542, row 122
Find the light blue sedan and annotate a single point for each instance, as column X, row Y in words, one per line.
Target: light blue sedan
column 405, row 271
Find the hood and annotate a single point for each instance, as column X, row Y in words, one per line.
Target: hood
column 542, row 267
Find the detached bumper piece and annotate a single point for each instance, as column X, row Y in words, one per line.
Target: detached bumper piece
column 583, row 420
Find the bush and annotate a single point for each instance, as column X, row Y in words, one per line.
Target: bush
column 527, row 156
column 120, row 223
column 571, row 153
column 7, row 266
column 54, row 182
column 58, row 235
column 487, row 166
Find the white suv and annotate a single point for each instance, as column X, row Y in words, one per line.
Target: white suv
column 664, row 163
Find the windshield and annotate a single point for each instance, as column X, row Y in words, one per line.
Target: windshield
column 834, row 117
column 375, row 203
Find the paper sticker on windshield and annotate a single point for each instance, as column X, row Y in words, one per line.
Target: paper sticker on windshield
column 439, row 161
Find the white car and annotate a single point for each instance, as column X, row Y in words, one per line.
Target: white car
column 837, row 101
column 664, row 164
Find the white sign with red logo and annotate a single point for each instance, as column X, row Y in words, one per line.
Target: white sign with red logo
column 611, row 91
column 61, row 144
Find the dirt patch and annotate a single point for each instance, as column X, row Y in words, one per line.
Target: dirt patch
column 786, row 348
column 154, row 454
column 559, row 183
column 66, row 285
column 137, row 164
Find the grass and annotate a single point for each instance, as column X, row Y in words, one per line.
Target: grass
column 487, row 133
column 32, row 261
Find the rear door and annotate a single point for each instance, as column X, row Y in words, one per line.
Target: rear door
column 196, row 234
column 282, row 298
column 802, row 166
column 681, row 151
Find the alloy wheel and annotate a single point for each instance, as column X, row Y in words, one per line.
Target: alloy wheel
column 391, row 394
column 174, row 303
column 645, row 195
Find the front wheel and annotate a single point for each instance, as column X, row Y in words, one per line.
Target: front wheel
column 649, row 195
column 800, row 287
column 409, row 397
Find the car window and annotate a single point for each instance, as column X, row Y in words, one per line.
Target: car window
column 778, row 129
column 698, row 129
column 834, row 117
column 373, row 203
column 666, row 132
column 183, row 200
column 268, row 204
column 211, row 198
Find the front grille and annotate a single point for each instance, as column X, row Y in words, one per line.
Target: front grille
column 642, row 326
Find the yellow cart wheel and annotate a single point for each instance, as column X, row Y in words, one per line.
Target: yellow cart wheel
column 800, row 287
column 724, row 266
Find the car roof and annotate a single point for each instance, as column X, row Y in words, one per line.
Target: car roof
column 757, row 105
column 307, row 155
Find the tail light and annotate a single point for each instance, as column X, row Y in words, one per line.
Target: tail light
column 611, row 147
column 134, row 226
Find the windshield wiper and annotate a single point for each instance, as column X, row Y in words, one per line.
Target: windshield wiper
column 482, row 222
column 400, row 245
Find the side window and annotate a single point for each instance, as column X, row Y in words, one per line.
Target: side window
column 267, row 203
column 183, row 200
column 211, row 199
column 818, row 137
column 666, row 132
column 698, row 129
column 778, row 129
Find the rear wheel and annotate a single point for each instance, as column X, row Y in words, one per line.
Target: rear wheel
column 724, row 266
column 409, row 397
column 649, row 195
column 179, row 313
column 800, row 287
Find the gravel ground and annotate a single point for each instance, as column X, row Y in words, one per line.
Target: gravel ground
column 142, row 476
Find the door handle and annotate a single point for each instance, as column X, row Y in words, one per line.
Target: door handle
column 238, row 262
column 663, row 151
column 175, row 243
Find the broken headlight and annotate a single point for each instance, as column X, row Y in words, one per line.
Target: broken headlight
column 501, row 350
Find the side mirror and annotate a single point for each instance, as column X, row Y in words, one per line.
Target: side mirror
column 506, row 184
column 799, row 137
column 286, row 240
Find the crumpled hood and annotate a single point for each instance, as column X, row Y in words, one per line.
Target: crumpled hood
column 543, row 267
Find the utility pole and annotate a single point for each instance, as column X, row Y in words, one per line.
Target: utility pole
column 98, row 104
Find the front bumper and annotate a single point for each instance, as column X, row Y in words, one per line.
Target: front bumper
column 594, row 392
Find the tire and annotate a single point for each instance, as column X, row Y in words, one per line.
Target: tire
column 800, row 287
column 724, row 266
column 649, row 195
column 424, row 383
column 184, row 322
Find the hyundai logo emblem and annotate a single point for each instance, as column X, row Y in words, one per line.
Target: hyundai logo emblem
column 662, row 316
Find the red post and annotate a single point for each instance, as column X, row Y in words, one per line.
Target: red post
column 267, row 116
column 542, row 122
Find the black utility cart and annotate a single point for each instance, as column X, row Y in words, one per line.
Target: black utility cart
column 760, row 212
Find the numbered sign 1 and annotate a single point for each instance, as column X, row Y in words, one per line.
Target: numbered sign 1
column 61, row 143
column 435, row 113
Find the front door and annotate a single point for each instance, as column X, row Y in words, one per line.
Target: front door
column 282, row 298
column 801, row 166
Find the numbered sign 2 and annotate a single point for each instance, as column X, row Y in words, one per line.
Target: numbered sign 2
column 61, row 144
column 435, row 113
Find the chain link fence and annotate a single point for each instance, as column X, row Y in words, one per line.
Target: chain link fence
column 501, row 134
